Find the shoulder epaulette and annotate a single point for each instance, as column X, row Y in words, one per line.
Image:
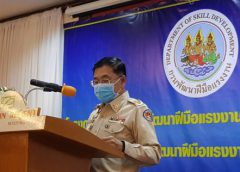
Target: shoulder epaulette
column 136, row 102
column 98, row 106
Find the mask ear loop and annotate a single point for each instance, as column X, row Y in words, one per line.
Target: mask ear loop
column 115, row 83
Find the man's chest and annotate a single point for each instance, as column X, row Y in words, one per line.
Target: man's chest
column 105, row 122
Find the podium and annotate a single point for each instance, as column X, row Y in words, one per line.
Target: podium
column 48, row 144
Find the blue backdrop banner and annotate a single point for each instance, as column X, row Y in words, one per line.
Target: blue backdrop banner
column 182, row 61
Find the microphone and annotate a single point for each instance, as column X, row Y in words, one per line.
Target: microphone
column 51, row 87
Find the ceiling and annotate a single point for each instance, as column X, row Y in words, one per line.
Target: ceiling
column 13, row 8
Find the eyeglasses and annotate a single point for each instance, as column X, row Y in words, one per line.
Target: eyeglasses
column 103, row 81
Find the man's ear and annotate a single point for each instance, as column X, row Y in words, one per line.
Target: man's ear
column 123, row 80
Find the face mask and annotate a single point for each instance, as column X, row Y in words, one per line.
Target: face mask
column 105, row 92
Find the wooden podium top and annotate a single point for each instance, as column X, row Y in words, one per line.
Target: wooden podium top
column 61, row 134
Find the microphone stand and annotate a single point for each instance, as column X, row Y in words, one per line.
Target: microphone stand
column 36, row 88
column 45, row 89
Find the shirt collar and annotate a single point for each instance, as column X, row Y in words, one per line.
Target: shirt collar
column 118, row 102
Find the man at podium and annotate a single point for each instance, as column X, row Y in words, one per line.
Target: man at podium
column 121, row 121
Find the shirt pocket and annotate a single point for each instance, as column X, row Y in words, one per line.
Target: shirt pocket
column 119, row 130
column 115, row 127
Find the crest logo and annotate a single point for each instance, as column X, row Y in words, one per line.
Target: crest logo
column 200, row 53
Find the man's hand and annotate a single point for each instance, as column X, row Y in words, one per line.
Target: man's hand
column 114, row 142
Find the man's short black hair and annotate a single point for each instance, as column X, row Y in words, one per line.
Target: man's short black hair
column 115, row 63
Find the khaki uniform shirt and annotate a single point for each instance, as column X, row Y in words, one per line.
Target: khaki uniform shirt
column 128, row 120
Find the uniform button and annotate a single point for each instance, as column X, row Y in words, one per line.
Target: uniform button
column 113, row 118
column 115, row 107
column 106, row 126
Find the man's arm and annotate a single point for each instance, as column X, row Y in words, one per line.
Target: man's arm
column 146, row 150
